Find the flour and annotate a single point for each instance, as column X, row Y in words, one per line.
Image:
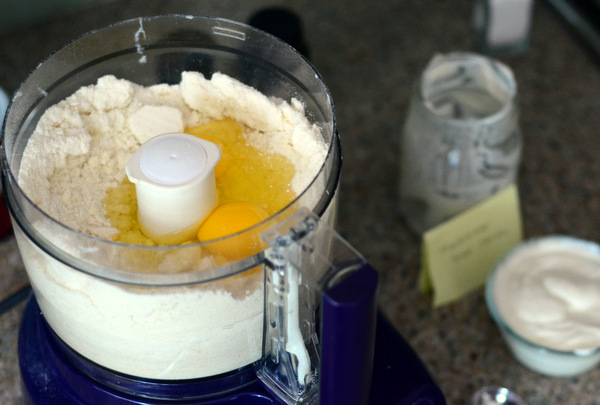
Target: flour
column 80, row 148
column 93, row 132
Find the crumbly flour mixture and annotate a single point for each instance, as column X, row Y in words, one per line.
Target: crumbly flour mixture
column 78, row 150
column 93, row 133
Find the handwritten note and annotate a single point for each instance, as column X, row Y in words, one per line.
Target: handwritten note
column 458, row 254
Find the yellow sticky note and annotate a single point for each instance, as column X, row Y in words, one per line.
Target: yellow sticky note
column 458, row 254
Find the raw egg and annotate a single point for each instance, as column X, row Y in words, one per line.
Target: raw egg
column 231, row 218
column 214, row 132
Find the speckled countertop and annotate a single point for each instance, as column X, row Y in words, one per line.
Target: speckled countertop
column 369, row 54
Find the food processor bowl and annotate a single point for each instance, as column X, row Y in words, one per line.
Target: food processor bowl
column 161, row 312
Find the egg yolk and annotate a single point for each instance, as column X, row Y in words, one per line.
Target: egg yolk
column 228, row 219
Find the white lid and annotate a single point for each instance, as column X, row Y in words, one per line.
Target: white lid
column 174, row 176
column 174, row 159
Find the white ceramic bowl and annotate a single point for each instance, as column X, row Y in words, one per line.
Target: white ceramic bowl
column 535, row 356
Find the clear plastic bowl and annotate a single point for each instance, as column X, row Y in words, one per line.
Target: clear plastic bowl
column 112, row 302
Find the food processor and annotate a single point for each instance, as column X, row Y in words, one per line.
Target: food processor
column 294, row 322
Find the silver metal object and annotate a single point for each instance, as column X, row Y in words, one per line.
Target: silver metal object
column 494, row 396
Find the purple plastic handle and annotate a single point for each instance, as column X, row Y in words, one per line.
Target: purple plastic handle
column 349, row 316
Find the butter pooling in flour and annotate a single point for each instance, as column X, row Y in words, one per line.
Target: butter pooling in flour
column 93, row 133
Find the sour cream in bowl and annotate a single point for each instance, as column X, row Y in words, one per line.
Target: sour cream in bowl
column 544, row 295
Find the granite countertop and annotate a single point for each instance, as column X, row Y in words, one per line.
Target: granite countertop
column 369, row 54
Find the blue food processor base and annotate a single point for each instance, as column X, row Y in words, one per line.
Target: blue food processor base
column 52, row 374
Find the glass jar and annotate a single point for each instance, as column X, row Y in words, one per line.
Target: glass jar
column 461, row 140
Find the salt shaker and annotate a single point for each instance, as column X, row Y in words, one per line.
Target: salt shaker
column 461, row 140
column 503, row 26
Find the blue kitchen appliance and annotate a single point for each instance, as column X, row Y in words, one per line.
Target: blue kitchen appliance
column 314, row 337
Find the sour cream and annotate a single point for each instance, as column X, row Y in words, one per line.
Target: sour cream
column 548, row 292
column 545, row 296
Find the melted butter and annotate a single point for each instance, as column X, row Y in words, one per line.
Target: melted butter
column 245, row 173
column 252, row 175
column 120, row 205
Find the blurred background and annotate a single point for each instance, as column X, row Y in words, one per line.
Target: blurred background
column 370, row 54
